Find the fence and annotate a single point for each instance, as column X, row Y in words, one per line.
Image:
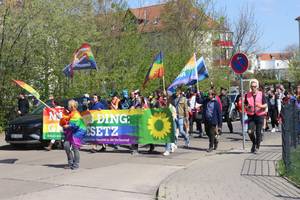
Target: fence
column 290, row 133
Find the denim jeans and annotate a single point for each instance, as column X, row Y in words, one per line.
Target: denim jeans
column 179, row 124
column 72, row 154
column 245, row 122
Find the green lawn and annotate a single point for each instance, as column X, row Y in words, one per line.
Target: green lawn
column 294, row 172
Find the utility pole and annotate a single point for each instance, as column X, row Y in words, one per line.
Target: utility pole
column 298, row 19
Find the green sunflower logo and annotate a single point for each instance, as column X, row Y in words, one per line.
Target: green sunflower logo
column 159, row 125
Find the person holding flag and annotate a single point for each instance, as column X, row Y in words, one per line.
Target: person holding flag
column 73, row 124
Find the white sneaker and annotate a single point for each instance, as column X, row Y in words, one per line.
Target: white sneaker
column 166, row 153
column 173, row 147
column 273, row 130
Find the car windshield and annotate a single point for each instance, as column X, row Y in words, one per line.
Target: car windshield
column 232, row 97
column 39, row 109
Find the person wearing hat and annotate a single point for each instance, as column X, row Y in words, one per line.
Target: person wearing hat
column 125, row 101
column 213, row 119
column 86, row 102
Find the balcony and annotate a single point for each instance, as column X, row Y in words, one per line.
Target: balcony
column 223, row 43
column 221, row 62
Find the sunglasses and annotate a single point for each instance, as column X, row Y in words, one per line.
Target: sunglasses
column 253, row 86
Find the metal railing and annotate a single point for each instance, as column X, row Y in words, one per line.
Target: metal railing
column 290, row 132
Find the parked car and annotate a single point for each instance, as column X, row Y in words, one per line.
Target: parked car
column 28, row 129
column 233, row 112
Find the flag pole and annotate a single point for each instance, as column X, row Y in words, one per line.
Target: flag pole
column 164, row 83
column 196, row 71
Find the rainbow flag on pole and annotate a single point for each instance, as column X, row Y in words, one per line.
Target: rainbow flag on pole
column 187, row 75
column 156, row 69
column 83, row 58
column 28, row 88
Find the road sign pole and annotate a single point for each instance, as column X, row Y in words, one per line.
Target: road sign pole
column 239, row 64
column 243, row 110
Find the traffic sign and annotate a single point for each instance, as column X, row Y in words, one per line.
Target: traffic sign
column 239, row 63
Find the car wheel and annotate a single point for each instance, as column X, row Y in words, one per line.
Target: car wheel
column 234, row 115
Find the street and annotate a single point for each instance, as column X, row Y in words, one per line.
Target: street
column 228, row 173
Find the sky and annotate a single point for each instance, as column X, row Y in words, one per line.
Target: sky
column 276, row 19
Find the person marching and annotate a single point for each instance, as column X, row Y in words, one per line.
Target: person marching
column 74, row 130
column 255, row 104
column 181, row 107
column 212, row 119
column 97, row 105
column 225, row 108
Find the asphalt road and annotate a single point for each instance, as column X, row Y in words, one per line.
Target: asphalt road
column 32, row 173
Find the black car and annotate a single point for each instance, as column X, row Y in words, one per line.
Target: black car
column 26, row 129
column 233, row 112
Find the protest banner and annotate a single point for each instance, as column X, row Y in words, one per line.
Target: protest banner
column 136, row 126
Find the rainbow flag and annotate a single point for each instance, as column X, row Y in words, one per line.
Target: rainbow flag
column 28, row 88
column 156, row 69
column 187, row 75
column 83, row 58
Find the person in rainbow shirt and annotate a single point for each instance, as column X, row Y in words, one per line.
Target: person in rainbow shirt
column 74, row 130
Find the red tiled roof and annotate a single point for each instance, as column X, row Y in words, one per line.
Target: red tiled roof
column 275, row 56
column 152, row 15
column 149, row 17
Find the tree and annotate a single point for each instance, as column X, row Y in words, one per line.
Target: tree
column 246, row 31
column 37, row 39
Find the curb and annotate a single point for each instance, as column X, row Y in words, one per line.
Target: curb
column 291, row 182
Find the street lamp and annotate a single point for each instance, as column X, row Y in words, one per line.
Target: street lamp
column 298, row 19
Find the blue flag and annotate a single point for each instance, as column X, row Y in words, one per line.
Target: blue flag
column 202, row 71
column 189, row 74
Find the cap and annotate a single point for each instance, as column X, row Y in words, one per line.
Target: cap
column 86, row 95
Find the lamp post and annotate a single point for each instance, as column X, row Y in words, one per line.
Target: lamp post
column 298, row 19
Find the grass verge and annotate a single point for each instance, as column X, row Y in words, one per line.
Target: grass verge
column 293, row 173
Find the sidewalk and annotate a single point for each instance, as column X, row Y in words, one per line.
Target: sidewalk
column 232, row 175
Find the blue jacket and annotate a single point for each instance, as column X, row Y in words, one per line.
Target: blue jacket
column 212, row 113
column 98, row 106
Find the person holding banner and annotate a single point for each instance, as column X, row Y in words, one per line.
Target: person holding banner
column 52, row 103
column 97, row 105
column 74, row 129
